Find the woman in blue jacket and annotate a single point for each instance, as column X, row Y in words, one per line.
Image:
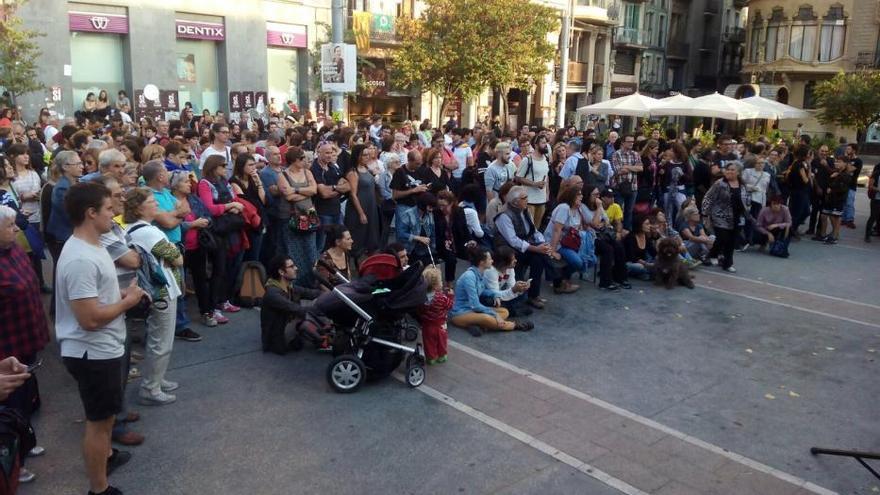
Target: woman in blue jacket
column 468, row 312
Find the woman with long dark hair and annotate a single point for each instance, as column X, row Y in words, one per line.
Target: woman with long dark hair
column 247, row 184
column 362, row 209
column 799, row 184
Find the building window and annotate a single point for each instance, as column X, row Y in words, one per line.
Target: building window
column 803, row 42
column 755, row 41
column 809, row 98
column 197, row 76
column 661, row 32
column 97, row 63
column 833, row 34
column 775, row 47
column 631, row 21
column 802, row 45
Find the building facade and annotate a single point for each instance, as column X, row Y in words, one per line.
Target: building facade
column 654, row 80
column 222, row 55
column 794, row 45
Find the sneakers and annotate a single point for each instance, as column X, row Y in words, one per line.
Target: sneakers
column 219, row 318
column 37, row 451
column 169, row 386
column 830, row 240
column 208, row 320
column 25, row 476
column 188, row 335
column 155, row 397
column 229, row 307
column 442, row 359
column 624, row 285
column 536, row 303
column 524, row 326
column 610, row 287
column 730, row 269
column 118, row 459
column 744, row 248
column 713, row 261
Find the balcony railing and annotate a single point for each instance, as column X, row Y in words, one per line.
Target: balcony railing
column 734, row 35
column 577, row 72
column 630, row 36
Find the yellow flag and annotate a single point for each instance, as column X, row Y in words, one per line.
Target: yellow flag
column 361, row 27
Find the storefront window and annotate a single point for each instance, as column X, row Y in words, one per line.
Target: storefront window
column 283, row 75
column 97, row 63
column 197, row 77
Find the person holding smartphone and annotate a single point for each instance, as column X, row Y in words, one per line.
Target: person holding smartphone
column 25, row 328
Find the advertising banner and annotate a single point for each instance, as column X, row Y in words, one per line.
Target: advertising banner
column 338, row 71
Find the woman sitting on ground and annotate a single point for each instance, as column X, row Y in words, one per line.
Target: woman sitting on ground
column 774, row 223
column 610, row 251
column 470, row 195
column 467, row 311
column 640, row 249
column 663, row 230
column 696, row 241
column 501, row 278
column 338, row 254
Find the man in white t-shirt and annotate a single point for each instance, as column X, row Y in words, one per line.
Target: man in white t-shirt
column 219, row 145
column 90, row 326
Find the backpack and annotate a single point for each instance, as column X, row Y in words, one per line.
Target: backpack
column 250, row 285
column 16, row 440
column 150, row 278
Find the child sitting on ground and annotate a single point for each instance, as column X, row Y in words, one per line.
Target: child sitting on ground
column 432, row 317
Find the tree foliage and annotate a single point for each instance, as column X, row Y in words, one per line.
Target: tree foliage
column 460, row 47
column 849, row 100
column 18, row 55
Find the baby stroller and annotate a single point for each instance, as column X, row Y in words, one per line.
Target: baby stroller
column 369, row 321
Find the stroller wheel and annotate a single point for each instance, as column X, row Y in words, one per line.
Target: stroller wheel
column 346, row 373
column 411, row 333
column 415, row 375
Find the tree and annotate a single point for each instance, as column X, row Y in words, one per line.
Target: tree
column 849, row 100
column 18, row 55
column 460, row 47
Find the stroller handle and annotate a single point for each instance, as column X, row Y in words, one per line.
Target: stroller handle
column 330, row 268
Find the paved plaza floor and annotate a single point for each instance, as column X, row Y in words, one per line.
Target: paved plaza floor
column 718, row 390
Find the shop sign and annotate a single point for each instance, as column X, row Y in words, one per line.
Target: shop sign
column 375, row 81
column 56, row 93
column 95, row 22
column 286, row 35
column 211, row 31
column 622, row 89
column 235, row 101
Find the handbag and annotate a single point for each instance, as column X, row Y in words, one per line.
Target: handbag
column 208, row 241
column 606, row 233
column 779, row 248
column 571, row 238
column 228, row 223
column 304, row 222
column 624, row 188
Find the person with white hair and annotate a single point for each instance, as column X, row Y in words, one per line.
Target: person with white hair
column 111, row 162
column 515, row 228
column 25, row 327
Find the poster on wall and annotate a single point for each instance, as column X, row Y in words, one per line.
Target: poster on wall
column 375, row 81
column 235, row 101
column 186, row 68
column 338, row 71
column 247, row 100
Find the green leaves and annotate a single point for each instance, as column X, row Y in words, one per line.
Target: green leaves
column 849, row 99
column 18, row 57
column 460, row 47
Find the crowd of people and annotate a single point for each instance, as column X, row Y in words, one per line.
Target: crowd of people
column 153, row 222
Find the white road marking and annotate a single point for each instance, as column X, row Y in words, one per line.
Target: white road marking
column 807, row 485
column 791, row 306
column 531, row 441
column 825, row 296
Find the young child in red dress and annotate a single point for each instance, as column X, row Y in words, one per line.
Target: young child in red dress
column 432, row 317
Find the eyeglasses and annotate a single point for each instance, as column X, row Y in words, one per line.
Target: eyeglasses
column 287, row 267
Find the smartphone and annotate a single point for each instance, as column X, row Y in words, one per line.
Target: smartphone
column 33, row 367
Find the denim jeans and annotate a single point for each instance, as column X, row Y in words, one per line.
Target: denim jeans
column 637, row 270
column 326, row 220
column 574, row 260
column 159, row 341
column 627, row 203
column 849, row 211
